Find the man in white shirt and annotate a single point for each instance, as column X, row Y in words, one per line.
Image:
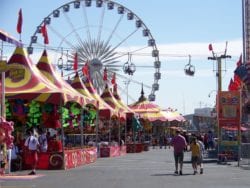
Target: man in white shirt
column 32, row 144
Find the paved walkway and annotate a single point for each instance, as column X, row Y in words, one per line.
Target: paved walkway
column 152, row 169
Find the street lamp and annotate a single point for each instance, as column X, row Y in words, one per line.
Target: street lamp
column 127, row 82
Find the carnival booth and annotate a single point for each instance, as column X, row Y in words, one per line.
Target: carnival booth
column 107, row 118
column 102, row 112
column 73, row 116
column 37, row 102
column 131, row 120
column 149, row 114
column 116, row 128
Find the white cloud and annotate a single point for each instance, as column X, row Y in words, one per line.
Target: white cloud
column 200, row 50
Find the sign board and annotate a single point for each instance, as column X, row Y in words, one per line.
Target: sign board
column 229, row 115
column 229, row 105
column 3, row 66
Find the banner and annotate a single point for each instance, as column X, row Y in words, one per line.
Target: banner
column 229, row 106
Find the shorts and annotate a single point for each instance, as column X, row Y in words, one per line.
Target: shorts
column 200, row 160
column 178, row 157
column 195, row 159
column 33, row 157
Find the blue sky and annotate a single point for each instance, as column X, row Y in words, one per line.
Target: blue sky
column 180, row 28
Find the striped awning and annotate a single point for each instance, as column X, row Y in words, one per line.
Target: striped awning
column 109, row 98
column 24, row 81
column 79, row 86
column 105, row 110
column 152, row 112
column 70, row 93
column 119, row 100
column 173, row 115
column 148, row 110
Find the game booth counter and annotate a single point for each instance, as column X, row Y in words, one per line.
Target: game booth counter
column 134, row 140
column 112, row 133
column 36, row 101
column 117, row 126
column 111, row 121
column 99, row 135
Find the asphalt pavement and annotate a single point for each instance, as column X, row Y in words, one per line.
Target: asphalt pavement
column 151, row 169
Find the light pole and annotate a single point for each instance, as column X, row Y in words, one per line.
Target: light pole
column 127, row 82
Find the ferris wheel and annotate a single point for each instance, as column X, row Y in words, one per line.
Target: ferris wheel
column 107, row 37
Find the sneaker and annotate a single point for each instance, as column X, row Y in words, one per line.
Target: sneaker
column 201, row 171
column 176, row 172
column 180, row 172
column 195, row 172
column 32, row 173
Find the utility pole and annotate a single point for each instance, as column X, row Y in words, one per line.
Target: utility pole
column 219, row 86
column 218, row 60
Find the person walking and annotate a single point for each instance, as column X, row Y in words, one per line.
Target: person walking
column 43, row 140
column 202, row 151
column 32, row 145
column 195, row 150
column 179, row 144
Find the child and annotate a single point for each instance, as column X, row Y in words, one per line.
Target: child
column 195, row 149
column 202, row 150
column 3, row 157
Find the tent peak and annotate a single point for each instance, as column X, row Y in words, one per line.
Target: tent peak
column 142, row 97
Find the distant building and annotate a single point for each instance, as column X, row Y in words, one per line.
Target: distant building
column 203, row 120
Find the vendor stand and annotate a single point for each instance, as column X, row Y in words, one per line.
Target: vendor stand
column 116, row 145
column 147, row 114
column 33, row 86
column 108, row 124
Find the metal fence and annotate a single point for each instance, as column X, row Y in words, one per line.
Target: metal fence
column 245, row 155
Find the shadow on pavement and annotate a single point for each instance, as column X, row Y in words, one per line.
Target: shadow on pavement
column 172, row 174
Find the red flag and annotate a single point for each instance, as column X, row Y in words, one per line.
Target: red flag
column 85, row 69
column 237, row 81
column 210, row 47
column 113, row 81
column 19, row 22
column 45, row 34
column 75, row 66
column 232, row 86
column 105, row 75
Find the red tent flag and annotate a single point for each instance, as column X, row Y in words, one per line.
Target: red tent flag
column 85, row 69
column 45, row 34
column 113, row 81
column 19, row 22
column 210, row 47
column 232, row 86
column 75, row 62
